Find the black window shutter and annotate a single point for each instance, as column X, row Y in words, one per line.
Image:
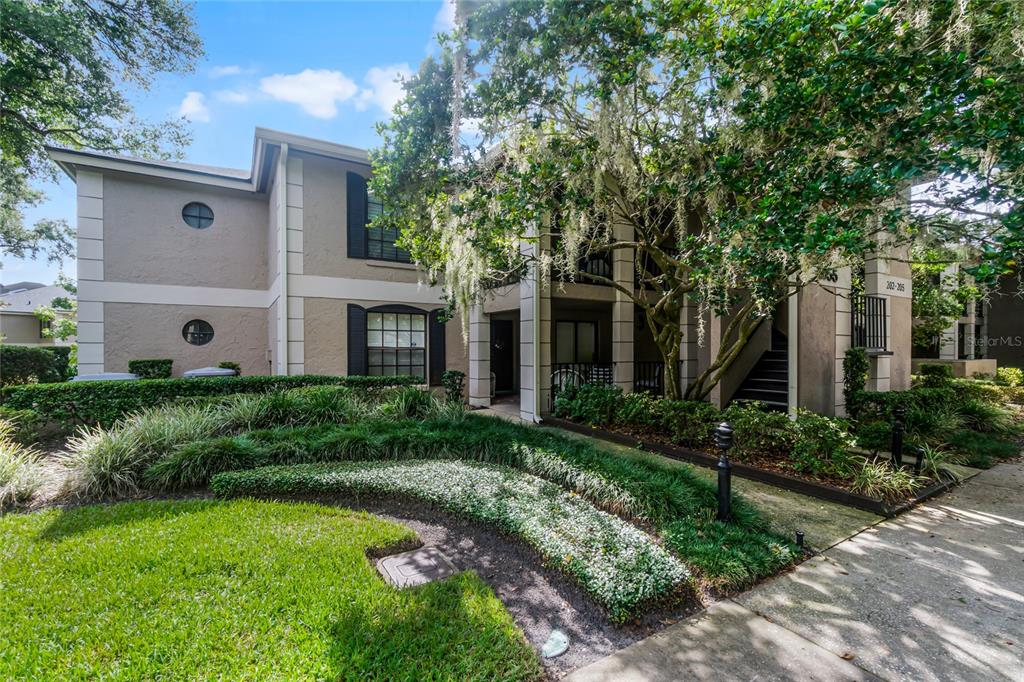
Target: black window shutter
column 356, row 340
column 437, row 350
column 356, row 197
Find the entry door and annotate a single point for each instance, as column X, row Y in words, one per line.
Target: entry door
column 502, row 356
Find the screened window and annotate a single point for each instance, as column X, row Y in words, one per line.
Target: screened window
column 197, row 332
column 396, row 344
column 380, row 243
column 197, row 215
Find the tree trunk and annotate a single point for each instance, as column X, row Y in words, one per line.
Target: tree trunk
column 742, row 327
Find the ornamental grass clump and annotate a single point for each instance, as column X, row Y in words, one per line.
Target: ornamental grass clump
column 620, row 566
column 21, row 473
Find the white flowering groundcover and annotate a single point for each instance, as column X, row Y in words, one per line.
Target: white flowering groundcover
column 619, row 565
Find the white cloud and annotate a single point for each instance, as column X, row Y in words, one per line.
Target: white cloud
column 317, row 91
column 193, row 107
column 384, row 87
column 444, row 20
column 232, row 96
column 230, row 70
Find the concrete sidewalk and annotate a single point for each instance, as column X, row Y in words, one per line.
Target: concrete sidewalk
column 935, row 594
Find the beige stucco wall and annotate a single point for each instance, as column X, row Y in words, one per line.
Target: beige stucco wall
column 902, row 344
column 146, row 240
column 325, row 225
column 326, row 336
column 21, row 329
column 134, row 331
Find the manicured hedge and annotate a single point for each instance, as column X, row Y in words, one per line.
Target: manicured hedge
column 104, row 402
column 151, row 369
column 29, row 364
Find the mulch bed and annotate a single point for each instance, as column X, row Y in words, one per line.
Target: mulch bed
column 774, row 474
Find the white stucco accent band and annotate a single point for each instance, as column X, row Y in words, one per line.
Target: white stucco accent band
column 170, row 294
column 316, row 286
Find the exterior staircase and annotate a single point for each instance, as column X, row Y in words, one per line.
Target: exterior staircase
column 768, row 381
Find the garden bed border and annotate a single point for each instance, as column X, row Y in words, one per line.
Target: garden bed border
column 791, row 483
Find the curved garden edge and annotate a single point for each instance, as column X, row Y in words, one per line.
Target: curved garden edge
column 797, row 485
column 619, row 566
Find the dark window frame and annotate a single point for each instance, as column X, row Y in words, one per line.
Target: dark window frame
column 197, row 215
column 197, row 337
column 380, row 242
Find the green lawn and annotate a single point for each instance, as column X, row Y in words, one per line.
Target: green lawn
column 234, row 590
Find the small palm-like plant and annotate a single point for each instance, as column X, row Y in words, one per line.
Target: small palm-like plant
column 21, row 474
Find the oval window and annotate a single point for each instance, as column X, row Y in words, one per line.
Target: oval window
column 197, row 215
column 197, row 332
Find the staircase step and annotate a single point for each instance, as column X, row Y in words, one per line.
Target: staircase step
column 763, row 383
column 762, row 394
column 773, row 374
column 774, row 365
column 771, row 405
column 775, row 354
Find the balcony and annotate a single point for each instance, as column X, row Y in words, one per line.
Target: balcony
column 869, row 324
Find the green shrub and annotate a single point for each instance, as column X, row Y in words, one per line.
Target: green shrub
column 28, row 365
column 980, row 390
column 638, row 409
column 822, row 446
column 590, row 403
column 230, row 364
column 936, row 376
column 104, row 402
column 1010, row 376
column 453, row 381
column 983, row 416
column 21, row 474
column 151, row 369
column 758, row 431
column 982, row 450
column 690, row 423
column 61, row 361
column 881, row 481
column 621, row 567
column 876, row 436
column 855, row 375
column 25, row 424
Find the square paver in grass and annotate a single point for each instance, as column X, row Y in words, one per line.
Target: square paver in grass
column 417, row 567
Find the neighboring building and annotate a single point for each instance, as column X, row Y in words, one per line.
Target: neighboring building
column 274, row 268
column 271, row 267
column 1003, row 320
column 18, row 322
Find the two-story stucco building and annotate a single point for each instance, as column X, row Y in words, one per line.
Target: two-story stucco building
column 270, row 267
column 274, row 267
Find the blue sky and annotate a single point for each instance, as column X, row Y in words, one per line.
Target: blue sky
column 323, row 69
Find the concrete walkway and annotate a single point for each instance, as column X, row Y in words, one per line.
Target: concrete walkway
column 936, row 594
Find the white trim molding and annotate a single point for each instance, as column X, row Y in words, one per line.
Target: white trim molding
column 316, row 286
column 293, row 246
column 89, row 224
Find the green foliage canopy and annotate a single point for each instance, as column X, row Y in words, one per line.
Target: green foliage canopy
column 751, row 147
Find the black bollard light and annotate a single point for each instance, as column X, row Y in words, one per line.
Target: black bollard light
column 800, row 539
column 918, row 458
column 723, row 439
column 898, row 429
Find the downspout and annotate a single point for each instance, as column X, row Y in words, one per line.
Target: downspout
column 282, row 258
column 793, row 358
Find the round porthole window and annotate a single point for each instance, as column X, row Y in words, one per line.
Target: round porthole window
column 197, row 332
column 197, row 215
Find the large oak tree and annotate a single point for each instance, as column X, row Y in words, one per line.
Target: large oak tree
column 751, row 147
column 65, row 69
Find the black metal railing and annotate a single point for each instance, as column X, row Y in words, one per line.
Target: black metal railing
column 868, row 322
column 570, row 374
column 649, row 377
column 598, row 265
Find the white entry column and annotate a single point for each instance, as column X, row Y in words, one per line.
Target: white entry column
column 534, row 336
column 623, row 267
column 479, row 357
